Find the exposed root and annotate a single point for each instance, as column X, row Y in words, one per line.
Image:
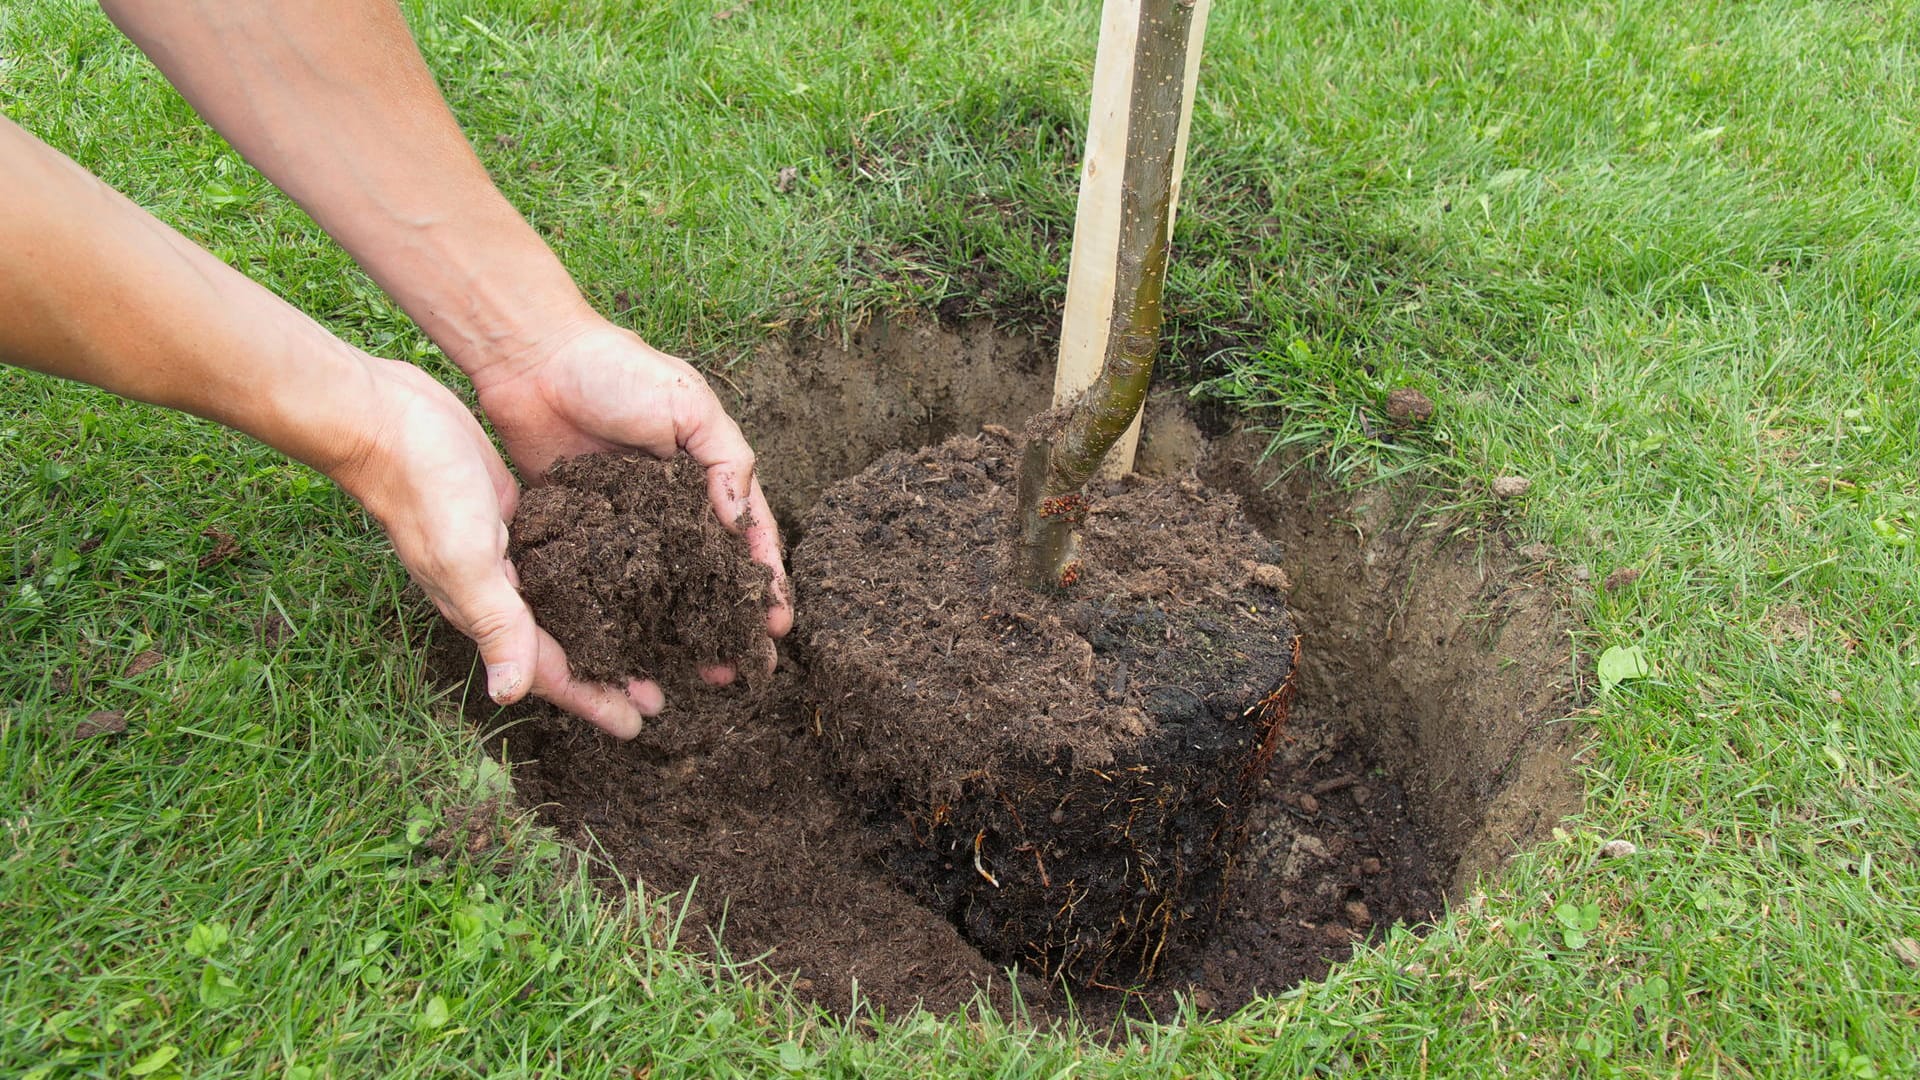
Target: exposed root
column 981, row 866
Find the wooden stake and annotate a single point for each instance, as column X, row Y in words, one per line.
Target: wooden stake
column 1094, row 270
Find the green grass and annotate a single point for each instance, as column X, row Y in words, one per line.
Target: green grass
column 1654, row 256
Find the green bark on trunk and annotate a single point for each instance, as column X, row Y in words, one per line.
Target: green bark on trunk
column 1065, row 447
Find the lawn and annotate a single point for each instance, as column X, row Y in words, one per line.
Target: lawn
column 1653, row 256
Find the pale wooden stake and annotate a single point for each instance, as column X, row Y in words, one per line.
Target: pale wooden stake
column 1092, row 271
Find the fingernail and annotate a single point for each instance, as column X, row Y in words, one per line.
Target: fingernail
column 646, row 697
column 503, row 681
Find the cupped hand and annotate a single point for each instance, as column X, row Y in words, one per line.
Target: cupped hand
column 427, row 472
column 593, row 386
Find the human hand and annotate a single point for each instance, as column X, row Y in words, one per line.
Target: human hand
column 427, row 472
column 592, row 386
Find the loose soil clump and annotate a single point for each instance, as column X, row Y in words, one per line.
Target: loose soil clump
column 1066, row 776
column 623, row 562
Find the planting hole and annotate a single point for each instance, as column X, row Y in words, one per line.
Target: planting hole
column 1421, row 750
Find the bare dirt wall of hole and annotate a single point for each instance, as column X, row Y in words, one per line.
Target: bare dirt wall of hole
column 1445, row 656
column 818, row 409
column 1424, row 751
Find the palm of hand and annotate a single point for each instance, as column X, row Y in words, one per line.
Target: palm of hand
column 603, row 388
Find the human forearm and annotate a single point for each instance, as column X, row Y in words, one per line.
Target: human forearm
column 93, row 288
column 334, row 104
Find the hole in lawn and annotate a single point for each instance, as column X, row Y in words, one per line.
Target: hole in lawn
column 1420, row 751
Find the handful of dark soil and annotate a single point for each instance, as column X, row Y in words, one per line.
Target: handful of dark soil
column 624, row 563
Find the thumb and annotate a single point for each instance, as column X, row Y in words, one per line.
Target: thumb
column 521, row 658
column 502, row 625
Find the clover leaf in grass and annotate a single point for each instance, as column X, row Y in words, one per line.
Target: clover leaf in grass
column 205, row 939
column 1621, row 664
column 1898, row 529
column 1576, row 921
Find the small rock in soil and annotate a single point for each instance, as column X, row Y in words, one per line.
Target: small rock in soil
column 1309, row 804
column 1617, row 849
column 1510, row 487
column 1269, row 576
column 1358, row 915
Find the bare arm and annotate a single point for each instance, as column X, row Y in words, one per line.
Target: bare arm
column 334, row 104
column 96, row 290
column 93, row 288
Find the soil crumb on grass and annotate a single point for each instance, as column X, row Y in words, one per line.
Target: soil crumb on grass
column 625, row 564
column 98, row 723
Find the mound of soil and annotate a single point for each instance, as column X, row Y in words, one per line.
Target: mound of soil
column 1066, row 776
column 623, row 562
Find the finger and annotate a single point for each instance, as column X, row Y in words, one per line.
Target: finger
column 763, row 541
column 711, row 438
column 646, row 696
column 505, row 488
column 521, row 658
column 717, row 674
column 741, row 504
column 605, row 707
column 500, row 623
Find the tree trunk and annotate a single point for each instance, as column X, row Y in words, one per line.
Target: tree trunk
column 1122, row 235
